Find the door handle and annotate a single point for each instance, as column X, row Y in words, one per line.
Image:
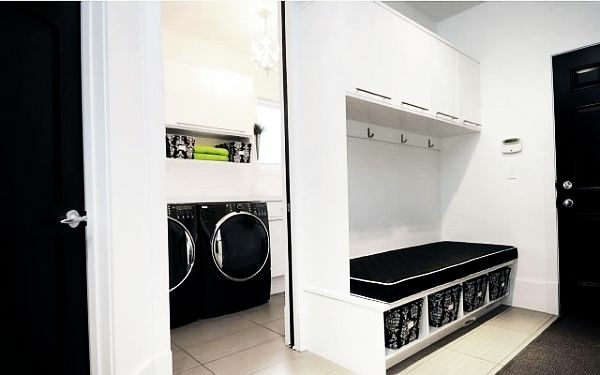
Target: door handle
column 567, row 185
column 72, row 219
column 219, row 250
column 568, row 203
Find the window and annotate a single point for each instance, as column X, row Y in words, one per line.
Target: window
column 269, row 116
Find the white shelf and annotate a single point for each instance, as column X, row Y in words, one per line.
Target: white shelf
column 200, row 163
column 375, row 111
column 207, row 131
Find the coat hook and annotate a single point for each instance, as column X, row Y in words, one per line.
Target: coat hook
column 369, row 133
column 403, row 139
column 429, row 144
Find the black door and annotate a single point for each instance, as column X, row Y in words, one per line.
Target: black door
column 240, row 246
column 577, row 127
column 42, row 169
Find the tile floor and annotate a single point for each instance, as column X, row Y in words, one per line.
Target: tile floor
column 251, row 342
column 248, row 342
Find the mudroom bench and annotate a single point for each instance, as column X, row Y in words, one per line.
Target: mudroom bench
column 402, row 301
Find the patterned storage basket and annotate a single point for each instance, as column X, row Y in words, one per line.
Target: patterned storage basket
column 402, row 324
column 474, row 291
column 239, row 152
column 443, row 306
column 180, row 146
column 499, row 283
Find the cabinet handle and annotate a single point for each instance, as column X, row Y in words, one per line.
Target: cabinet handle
column 471, row 122
column 447, row 115
column 415, row 106
column 374, row 93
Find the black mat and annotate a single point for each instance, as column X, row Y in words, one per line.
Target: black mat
column 570, row 345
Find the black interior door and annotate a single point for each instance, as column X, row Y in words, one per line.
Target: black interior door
column 44, row 260
column 577, row 127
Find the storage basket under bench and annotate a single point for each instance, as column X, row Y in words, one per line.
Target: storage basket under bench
column 396, row 275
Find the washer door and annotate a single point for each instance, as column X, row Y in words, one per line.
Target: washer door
column 182, row 253
column 240, row 246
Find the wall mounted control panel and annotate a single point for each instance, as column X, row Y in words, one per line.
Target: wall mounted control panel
column 511, row 145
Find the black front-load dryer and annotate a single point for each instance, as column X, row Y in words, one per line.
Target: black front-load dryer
column 184, row 281
column 234, row 257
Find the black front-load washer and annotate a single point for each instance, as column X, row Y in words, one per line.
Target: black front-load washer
column 184, row 283
column 233, row 256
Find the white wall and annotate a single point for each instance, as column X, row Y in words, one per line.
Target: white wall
column 128, row 278
column 514, row 42
column 393, row 196
column 406, row 9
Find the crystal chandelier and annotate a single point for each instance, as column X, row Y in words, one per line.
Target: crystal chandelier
column 265, row 51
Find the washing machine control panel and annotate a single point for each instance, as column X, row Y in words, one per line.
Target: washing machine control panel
column 257, row 209
column 181, row 211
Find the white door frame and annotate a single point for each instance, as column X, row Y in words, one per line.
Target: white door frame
column 96, row 182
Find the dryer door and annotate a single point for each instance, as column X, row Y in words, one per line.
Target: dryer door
column 240, row 246
column 182, row 253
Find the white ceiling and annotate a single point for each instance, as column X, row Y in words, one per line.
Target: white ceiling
column 234, row 24
column 440, row 10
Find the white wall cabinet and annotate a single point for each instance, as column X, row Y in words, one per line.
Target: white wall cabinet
column 278, row 238
column 197, row 96
column 391, row 56
column 469, row 99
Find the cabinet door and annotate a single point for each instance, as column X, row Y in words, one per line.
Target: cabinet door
column 206, row 97
column 412, row 71
column 443, row 85
column 367, row 43
column 469, row 99
column 278, row 247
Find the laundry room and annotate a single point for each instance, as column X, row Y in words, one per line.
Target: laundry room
column 224, row 181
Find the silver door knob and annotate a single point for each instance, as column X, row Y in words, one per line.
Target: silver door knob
column 568, row 203
column 72, row 219
column 567, row 185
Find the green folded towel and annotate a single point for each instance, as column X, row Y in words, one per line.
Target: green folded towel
column 210, row 157
column 210, row 150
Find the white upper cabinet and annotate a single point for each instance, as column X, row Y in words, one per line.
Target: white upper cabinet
column 367, row 47
column 404, row 65
column 443, row 84
column 205, row 98
column 469, row 99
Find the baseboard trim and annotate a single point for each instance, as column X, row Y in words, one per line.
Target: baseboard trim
column 539, row 295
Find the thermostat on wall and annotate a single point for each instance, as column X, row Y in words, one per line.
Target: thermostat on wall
column 511, row 145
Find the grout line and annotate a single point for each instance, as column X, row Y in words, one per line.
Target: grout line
column 243, row 350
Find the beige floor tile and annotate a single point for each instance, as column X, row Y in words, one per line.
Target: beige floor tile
column 520, row 320
column 488, row 342
column 204, row 330
column 225, row 345
column 256, row 358
column 495, row 370
column 198, row 370
column 264, row 313
column 307, row 363
column 183, row 361
column 413, row 361
column 341, row 371
column 448, row 362
column 278, row 298
column 276, row 325
column 528, row 341
column 175, row 347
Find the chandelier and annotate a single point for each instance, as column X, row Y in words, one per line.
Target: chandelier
column 265, row 51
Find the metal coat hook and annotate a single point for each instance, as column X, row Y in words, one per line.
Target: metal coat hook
column 369, row 133
column 429, row 144
column 403, row 139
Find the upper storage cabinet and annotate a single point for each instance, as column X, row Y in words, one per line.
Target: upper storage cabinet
column 200, row 98
column 402, row 64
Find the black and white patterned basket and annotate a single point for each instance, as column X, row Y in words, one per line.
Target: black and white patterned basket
column 443, row 306
column 239, row 152
column 402, row 324
column 180, row 146
column 474, row 292
column 499, row 283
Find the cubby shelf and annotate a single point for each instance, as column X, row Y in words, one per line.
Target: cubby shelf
column 376, row 111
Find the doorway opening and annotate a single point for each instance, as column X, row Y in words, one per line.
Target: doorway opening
column 225, row 140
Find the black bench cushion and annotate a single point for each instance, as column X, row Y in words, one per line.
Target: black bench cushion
column 395, row 274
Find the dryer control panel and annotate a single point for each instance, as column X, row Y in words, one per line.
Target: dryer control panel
column 181, row 211
column 256, row 208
